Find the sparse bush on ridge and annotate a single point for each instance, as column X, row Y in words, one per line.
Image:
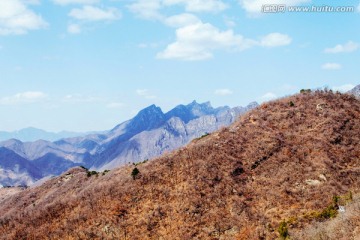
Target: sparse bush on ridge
column 202, row 136
column 84, row 168
column 91, row 173
column 305, row 91
column 139, row 163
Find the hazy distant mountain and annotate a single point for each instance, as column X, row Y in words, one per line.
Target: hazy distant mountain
column 149, row 134
column 15, row 170
column 355, row 91
column 32, row 134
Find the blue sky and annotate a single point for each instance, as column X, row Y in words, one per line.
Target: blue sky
column 85, row 65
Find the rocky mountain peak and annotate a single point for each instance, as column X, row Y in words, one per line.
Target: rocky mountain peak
column 147, row 119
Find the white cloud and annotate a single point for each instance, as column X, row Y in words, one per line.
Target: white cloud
column 150, row 9
column 268, row 96
column 198, row 41
column 79, row 98
column 16, row 18
column 145, row 93
column 199, row 5
column 74, row 28
column 275, row 40
column 343, row 48
column 343, row 88
column 181, row 20
column 90, row 13
column 115, row 105
column 255, row 6
column 223, row 92
column 66, row 2
column 331, row 66
column 147, row 9
column 24, row 97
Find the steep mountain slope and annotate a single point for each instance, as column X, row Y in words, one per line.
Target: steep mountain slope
column 285, row 160
column 355, row 91
column 150, row 133
column 162, row 132
column 15, row 170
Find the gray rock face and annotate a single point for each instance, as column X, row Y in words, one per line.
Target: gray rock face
column 355, row 91
column 149, row 134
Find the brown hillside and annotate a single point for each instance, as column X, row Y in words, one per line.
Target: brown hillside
column 285, row 160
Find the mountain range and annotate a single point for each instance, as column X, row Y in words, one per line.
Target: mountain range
column 286, row 166
column 149, row 134
column 31, row 134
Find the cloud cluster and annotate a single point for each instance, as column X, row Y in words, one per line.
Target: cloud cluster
column 343, row 48
column 88, row 14
column 147, row 9
column 91, row 13
column 197, row 41
column 16, row 18
column 150, row 9
column 275, row 40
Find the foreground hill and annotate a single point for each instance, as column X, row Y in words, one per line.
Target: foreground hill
column 149, row 134
column 281, row 166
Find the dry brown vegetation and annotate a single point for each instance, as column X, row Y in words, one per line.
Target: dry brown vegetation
column 345, row 226
column 284, row 161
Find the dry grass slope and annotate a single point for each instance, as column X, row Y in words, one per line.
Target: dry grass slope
column 283, row 161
